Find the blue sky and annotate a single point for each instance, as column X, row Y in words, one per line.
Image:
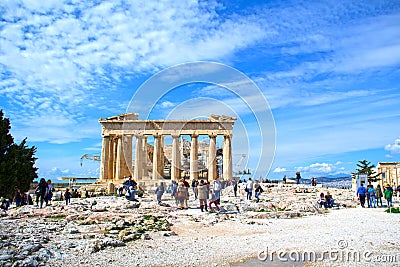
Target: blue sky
column 330, row 71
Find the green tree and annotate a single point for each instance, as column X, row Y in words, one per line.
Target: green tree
column 17, row 162
column 366, row 167
column 6, row 140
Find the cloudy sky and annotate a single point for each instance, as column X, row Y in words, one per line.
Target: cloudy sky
column 329, row 70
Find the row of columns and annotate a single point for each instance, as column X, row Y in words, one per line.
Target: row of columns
column 116, row 157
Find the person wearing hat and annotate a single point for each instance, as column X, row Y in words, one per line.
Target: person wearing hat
column 388, row 194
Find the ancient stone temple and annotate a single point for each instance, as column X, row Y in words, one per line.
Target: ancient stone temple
column 149, row 162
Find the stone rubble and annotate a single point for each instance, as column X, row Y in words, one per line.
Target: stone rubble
column 47, row 237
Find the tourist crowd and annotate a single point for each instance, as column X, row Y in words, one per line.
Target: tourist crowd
column 373, row 196
column 43, row 194
column 207, row 193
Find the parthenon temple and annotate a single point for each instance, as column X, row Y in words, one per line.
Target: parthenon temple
column 152, row 162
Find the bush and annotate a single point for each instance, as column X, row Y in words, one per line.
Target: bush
column 393, row 210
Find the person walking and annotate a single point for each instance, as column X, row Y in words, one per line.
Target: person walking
column 67, row 197
column 367, row 195
column 202, row 194
column 257, row 191
column 388, row 195
column 49, row 192
column 249, row 189
column 187, row 186
column 195, row 183
column 173, row 187
column 379, row 195
column 235, row 188
column 217, row 190
column 181, row 194
column 298, row 177
column 361, row 192
column 18, row 198
column 159, row 192
column 41, row 190
column 372, row 200
column 207, row 183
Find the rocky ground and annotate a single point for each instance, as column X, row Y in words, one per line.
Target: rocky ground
column 109, row 230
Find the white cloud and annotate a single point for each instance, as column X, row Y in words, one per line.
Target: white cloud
column 278, row 170
column 167, row 104
column 325, row 168
column 313, row 170
column 394, row 147
column 53, row 57
column 57, row 172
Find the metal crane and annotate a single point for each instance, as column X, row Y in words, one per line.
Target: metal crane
column 238, row 166
column 94, row 157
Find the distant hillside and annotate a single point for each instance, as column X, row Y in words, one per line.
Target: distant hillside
column 337, row 182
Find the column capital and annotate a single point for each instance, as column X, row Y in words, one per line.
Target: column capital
column 212, row 135
column 175, row 135
column 157, row 135
column 228, row 135
column 194, row 135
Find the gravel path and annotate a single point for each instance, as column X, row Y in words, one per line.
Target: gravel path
column 370, row 231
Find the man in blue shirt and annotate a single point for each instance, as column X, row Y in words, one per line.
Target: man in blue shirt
column 361, row 191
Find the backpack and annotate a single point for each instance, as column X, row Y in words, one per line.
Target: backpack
column 371, row 192
column 388, row 194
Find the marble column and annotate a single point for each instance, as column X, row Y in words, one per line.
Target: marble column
column 176, row 159
column 119, row 159
column 144, row 157
column 227, row 157
column 138, row 169
column 105, row 155
column 111, row 160
column 161, row 157
column 156, row 161
column 212, row 159
column 194, row 163
column 127, row 146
